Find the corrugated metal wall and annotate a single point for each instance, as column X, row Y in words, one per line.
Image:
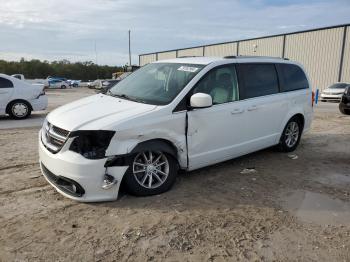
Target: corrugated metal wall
column 146, row 59
column 346, row 62
column 271, row 46
column 320, row 52
column 167, row 55
column 221, row 50
column 197, row 51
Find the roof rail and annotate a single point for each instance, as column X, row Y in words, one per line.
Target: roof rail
column 247, row 56
column 187, row 56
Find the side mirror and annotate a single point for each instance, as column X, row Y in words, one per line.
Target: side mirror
column 201, row 100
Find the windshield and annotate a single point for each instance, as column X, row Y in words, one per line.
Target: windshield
column 157, row 83
column 339, row 86
column 124, row 75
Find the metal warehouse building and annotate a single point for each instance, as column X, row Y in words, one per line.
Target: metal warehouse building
column 325, row 52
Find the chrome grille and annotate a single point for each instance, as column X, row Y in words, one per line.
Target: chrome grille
column 53, row 137
column 60, row 131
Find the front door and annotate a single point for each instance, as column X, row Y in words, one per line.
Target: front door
column 216, row 133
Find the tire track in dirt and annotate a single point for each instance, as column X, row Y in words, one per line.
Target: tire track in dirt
column 17, row 166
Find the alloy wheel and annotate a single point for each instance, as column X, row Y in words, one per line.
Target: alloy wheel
column 151, row 169
column 292, row 134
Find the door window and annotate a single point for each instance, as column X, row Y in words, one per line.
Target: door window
column 258, row 80
column 5, row 83
column 220, row 83
column 292, row 77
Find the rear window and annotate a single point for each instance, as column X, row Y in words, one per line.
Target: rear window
column 257, row 80
column 292, row 78
column 5, row 83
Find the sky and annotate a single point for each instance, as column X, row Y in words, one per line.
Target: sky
column 70, row 29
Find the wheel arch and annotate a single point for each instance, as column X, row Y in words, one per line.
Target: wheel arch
column 19, row 100
column 158, row 144
column 301, row 118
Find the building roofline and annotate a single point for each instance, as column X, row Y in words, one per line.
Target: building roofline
column 249, row 39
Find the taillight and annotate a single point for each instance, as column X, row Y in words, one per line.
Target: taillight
column 313, row 98
column 41, row 94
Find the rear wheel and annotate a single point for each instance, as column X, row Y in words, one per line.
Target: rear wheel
column 291, row 135
column 63, row 87
column 19, row 110
column 150, row 173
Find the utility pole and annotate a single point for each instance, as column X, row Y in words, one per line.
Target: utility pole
column 129, row 50
column 96, row 61
column 95, row 53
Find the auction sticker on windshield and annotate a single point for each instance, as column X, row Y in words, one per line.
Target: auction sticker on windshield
column 188, row 69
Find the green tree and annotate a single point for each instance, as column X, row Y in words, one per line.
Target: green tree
column 42, row 69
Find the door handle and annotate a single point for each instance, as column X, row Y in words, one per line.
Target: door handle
column 252, row 108
column 237, row 111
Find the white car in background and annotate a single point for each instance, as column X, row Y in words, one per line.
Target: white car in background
column 74, row 83
column 31, row 81
column 58, row 84
column 18, row 98
column 334, row 92
column 184, row 113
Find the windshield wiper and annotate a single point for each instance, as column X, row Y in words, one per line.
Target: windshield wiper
column 124, row 96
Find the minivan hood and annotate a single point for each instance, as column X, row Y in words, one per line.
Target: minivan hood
column 96, row 112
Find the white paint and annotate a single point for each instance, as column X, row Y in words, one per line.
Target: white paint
column 24, row 91
column 215, row 134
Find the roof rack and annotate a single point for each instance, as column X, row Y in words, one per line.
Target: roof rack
column 247, row 56
column 188, row 56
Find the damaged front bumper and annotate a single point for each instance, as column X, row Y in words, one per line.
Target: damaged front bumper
column 79, row 178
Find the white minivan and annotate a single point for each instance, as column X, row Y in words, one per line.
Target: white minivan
column 18, row 98
column 184, row 113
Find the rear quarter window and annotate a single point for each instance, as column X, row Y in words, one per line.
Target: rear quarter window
column 5, row 83
column 292, row 77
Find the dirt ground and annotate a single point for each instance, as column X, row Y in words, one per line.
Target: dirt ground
column 295, row 207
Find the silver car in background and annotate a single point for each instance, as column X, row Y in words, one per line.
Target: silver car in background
column 334, row 92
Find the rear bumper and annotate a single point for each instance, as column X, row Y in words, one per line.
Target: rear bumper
column 65, row 169
column 39, row 103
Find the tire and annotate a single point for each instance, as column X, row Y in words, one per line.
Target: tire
column 291, row 135
column 344, row 111
column 63, row 87
column 144, row 179
column 19, row 110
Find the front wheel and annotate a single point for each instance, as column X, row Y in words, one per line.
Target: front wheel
column 291, row 135
column 63, row 87
column 151, row 173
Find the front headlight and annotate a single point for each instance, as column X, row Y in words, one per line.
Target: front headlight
column 91, row 144
column 46, row 126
